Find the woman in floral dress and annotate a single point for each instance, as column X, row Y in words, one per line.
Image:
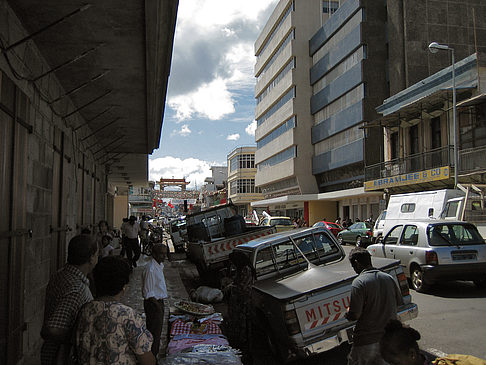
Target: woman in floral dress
column 107, row 331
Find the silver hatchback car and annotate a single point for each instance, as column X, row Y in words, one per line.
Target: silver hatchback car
column 430, row 251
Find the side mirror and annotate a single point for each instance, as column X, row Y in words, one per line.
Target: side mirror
column 380, row 240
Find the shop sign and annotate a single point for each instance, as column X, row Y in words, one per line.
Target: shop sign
column 439, row 173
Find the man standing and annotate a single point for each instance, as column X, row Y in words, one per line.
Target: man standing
column 374, row 300
column 154, row 292
column 132, row 230
column 67, row 291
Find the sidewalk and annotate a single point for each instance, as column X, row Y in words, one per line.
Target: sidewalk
column 175, row 290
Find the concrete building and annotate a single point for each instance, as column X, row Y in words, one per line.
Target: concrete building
column 82, row 94
column 214, row 191
column 241, row 179
column 363, row 53
column 282, row 94
column 419, row 130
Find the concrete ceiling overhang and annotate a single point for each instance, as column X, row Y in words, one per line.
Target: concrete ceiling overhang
column 121, row 53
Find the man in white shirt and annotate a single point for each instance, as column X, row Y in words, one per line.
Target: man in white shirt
column 154, row 291
column 132, row 230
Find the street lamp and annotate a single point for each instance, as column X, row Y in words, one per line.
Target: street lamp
column 435, row 47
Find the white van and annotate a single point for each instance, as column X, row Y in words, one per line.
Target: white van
column 419, row 205
column 378, row 227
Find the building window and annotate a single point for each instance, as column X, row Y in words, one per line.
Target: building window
column 276, row 80
column 277, row 27
column 270, row 62
column 289, row 124
column 393, row 145
column 414, row 139
column 283, row 100
column 435, row 133
column 246, row 161
column 330, row 7
column 243, row 186
column 278, row 158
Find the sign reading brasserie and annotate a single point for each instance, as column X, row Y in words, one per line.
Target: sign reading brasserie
column 439, row 173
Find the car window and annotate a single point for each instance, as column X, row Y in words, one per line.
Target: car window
column 407, row 208
column 319, row 224
column 354, row 226
column 265, row 222
column 333, row 225
column 264, row 263
column 410, row 236
column 450, row 210
column 281, row 222
column 367, row 225
column 392, row 237
column 453, row 234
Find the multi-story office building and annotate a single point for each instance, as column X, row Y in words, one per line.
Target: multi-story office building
column 282, row 92
column 241, row 179
column 311, row 103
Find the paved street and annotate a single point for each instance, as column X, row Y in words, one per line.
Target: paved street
column 451, row 317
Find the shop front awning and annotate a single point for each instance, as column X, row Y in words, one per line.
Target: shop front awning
column 321, row 197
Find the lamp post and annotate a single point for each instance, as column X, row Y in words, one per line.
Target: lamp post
column 435, row 47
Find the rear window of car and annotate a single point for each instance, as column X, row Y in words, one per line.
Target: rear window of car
column 453, row 234
column 333, row 225
column 284, row 257
column 281, row 222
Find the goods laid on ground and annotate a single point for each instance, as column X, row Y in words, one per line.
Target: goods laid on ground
column 194, row 308
column 196, row 337
column 206, row 294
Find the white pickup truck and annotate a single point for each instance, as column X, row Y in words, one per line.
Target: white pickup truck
column 214, row 233
column 300, row 302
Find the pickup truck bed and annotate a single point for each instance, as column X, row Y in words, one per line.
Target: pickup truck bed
column 212, row 255
column 316, row 279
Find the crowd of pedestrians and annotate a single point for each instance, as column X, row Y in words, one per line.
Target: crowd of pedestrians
column 83, row 326
column 84, row 319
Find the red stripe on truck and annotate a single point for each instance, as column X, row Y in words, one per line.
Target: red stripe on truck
column 329, row 311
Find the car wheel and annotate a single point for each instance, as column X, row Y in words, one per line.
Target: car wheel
column 340, row 240
column 358, row 241
column 480, row 283
column 417, row 279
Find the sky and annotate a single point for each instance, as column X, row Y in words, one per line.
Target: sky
column 210, row 102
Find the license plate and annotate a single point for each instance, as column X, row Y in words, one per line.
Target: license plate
column 467, row 256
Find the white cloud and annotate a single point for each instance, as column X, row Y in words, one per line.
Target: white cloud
column 195, row 171
column 184, row 131
column 214, row 55
column 251, row 128
column 233, row 137
column 211, row 100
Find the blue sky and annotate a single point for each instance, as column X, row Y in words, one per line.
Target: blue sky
column 210, row 100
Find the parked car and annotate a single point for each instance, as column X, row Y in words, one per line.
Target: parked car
column 378, row 227
column 431, row 251
column 280, row 223
column 333, row 227
column 359, row 233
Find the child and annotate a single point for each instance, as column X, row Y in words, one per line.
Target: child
column 108, row 249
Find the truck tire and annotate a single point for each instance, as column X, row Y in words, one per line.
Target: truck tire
column 417, row 279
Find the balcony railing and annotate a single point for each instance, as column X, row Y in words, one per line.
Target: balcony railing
column 438, row 157
column 472, row 160
column 140, row 198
